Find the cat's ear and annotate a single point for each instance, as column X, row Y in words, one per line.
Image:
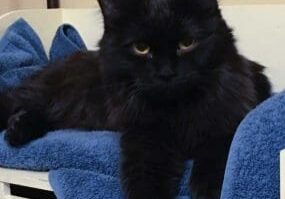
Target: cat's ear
column 207, row 7
column 110, row 10
column 210, row 5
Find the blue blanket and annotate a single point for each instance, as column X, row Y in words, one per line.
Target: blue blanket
column 253, row 165
column 93, row 158
column 70, row 156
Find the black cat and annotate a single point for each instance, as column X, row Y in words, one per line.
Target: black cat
column 167, row 75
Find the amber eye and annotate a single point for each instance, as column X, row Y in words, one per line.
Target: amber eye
column 141, row 48
column 186, row 45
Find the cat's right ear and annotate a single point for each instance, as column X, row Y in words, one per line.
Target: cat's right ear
column 110, row 10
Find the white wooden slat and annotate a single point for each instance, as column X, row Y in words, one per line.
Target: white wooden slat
column 4, row 190
column 32, row 179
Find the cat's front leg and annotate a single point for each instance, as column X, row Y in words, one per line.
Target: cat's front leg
column 24, row 126
column 208, row 172
column 206, row 180
column 151, row 169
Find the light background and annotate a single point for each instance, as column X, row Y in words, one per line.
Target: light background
column 9, row 5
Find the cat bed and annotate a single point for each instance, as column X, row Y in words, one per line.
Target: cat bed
column 72, row 157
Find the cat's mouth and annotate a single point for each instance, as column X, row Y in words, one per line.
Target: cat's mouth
column 163, row 91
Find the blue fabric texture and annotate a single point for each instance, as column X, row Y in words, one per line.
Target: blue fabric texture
column 21, row 54
column 253, row 165
column 66, row 41
column 81, row 165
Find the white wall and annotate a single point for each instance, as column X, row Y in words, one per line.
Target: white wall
column 8, row 5
column 239, row 2
column 78, row 3
column 260, row 33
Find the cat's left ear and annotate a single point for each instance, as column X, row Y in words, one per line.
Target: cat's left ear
column 210, row 5
column 207, row 7
column 110, row 10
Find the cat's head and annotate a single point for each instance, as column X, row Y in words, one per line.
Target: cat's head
column 163, row 49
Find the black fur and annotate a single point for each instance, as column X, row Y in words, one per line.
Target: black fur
column 164, row 121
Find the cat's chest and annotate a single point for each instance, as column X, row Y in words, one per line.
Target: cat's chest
column 178, row 120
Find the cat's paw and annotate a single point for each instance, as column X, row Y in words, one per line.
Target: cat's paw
column 204, row 193
column 20, row 129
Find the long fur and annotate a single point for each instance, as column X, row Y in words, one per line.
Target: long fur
column 163, row 123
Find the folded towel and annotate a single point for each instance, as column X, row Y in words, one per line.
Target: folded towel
column 70, row 156
column 67, row 153
column 66, row 41
column 91, row 182
column 253, row 166
column 21, row 54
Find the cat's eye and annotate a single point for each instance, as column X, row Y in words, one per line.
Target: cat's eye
column 186, row 45
column 141, row 49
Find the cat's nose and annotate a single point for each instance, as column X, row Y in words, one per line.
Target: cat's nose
column 166, row 74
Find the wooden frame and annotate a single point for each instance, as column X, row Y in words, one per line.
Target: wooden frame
column 38, row 180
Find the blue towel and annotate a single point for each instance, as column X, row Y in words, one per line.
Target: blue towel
column 66, row 41
column 253, row 165
column 70, row 156
column 21, row 54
